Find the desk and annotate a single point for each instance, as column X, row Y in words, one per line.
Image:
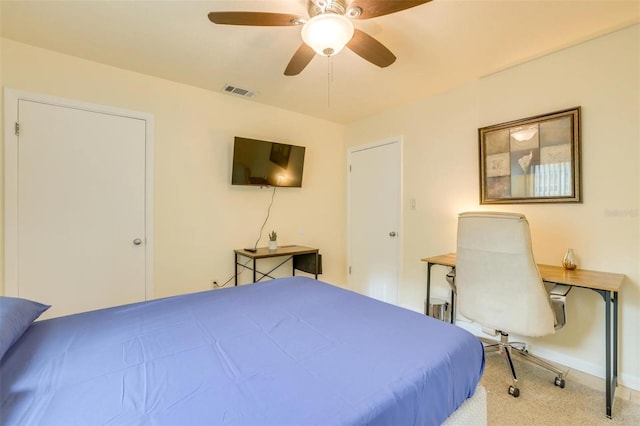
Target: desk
column 290, row 252
column 605, row 284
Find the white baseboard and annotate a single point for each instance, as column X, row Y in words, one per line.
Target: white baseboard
column 626, row 380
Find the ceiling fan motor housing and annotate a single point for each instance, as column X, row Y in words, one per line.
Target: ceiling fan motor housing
column 318, row 7
column 339, row 7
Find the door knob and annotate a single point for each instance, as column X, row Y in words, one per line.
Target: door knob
column 137, row 241
column 392, row 234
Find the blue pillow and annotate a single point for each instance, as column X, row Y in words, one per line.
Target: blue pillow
column 16, row 315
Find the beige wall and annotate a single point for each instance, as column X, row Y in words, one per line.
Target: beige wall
column 441, row 173
column 199, row 218
column 1, row 166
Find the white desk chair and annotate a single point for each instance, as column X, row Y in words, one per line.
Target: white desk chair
column 498, row 286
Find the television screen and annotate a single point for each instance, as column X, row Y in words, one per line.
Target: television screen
column 258, row 162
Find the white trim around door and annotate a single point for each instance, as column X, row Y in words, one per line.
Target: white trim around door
column 11, row 100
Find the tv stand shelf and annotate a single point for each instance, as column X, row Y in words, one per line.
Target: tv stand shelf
column 303, row 258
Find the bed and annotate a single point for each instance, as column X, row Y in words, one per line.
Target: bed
column 290, row 351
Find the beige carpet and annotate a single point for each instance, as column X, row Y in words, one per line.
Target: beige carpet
column 542, row 403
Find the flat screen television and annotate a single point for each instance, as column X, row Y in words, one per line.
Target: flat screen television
column 264, row 163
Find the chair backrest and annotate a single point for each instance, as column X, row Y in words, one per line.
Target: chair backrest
column 497, row 279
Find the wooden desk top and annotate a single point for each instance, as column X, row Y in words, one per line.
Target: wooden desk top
column 443, row 259
column 264, row 252
column 594, row 280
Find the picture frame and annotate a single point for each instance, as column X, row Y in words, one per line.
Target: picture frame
column 532, row 160
column 280, row 154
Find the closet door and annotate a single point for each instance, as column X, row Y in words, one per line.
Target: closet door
column 80, row 207
column 374, row 220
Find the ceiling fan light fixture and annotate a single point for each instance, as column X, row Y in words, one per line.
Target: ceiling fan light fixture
column 327, row 34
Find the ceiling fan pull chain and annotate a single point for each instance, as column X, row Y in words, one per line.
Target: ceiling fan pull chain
column 329, row 79
column 331, row 67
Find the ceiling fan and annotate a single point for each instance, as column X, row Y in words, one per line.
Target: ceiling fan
column 328, row 29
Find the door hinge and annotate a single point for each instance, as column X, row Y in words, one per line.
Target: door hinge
column 17, row 129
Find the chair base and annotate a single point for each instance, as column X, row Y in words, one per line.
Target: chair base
column 507, row 349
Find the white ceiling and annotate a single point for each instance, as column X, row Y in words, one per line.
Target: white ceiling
column 439, row 45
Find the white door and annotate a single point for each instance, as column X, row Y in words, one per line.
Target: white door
column 374, row 220
column 81, row 208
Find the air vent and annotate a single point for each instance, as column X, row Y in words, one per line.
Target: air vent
column 239, row 91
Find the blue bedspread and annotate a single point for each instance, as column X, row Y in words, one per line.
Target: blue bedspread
column 291, row 351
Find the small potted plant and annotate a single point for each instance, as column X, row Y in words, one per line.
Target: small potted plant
column 273, row 240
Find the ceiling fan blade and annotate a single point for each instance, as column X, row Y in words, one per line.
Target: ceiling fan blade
column 371, row 49
column 374, row 8
column 300, row 60
column 264, row 19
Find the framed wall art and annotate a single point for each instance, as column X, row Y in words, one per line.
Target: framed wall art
column 280, row 154
column 532, row 160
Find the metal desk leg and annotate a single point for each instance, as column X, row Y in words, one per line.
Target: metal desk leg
column 428, row 299
column 452, row 313
column 607, row 310
column 254, row 270
column 611, row 353
column 615, row 345
column 236, row 268
column 611, row 339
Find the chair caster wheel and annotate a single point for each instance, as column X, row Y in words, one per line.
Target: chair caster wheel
column 559, row 382
column 514, row 391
